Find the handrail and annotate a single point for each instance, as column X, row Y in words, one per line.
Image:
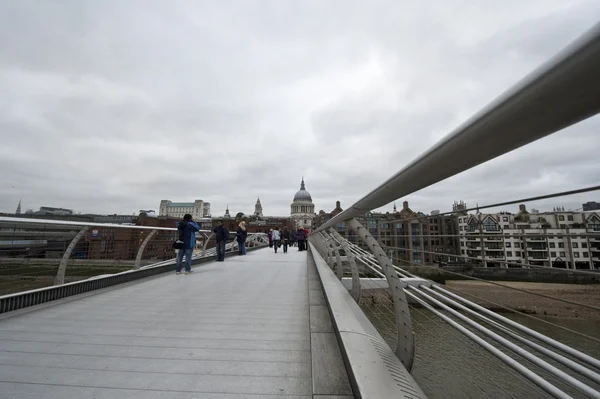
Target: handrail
column 10, row 219
column 565, row 90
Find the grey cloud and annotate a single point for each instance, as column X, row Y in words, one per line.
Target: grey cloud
column 113, row 106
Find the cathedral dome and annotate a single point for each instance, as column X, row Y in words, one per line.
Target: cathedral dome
column 302, row 194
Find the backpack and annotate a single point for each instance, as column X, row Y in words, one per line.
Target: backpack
column 178, row 244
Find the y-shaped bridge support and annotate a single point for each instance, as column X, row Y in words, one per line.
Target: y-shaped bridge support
column 356, row 288
column 138, row 258
column 405, row 348
column 62, row 268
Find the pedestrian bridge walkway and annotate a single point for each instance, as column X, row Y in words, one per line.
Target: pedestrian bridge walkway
column 243, row 328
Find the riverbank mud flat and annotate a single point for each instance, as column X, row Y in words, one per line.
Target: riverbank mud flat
column 480, row 291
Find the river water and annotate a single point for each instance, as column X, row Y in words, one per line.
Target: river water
column 450, row 365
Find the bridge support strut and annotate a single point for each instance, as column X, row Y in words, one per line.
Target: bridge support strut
column 405, row 347
column 138, row 258
column 62, row 268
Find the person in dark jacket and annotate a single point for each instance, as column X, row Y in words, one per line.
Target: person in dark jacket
column 286, row 238
column 187, row 233
column 221, row 236
column 241, row 236
column 300, row 237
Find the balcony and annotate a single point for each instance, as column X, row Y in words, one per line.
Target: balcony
column 535, row 238
column 493, row 230
column 537, row 255
column 493, row 238
column 537, row 248
column 494, row 256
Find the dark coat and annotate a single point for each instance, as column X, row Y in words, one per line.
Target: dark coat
column 187, row 233
column 221, row 233
column 241, row 235
column 300, row 235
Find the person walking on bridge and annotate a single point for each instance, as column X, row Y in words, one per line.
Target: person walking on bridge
column 276, row 238
column 300, row 237
column 187, row 233
column 285, row 239
column 221, row 235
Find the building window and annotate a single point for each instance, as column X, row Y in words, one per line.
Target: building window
column 490, row 225
column 461, row 228
column 575, row 245
column 506, row 226
column 562, row 254
column 561, row 218
column 585, row 254
column 561, row 244
column 508, row 245
column 576, row 254
column 552, row 245
column 509, row 253
column 570, row 218
column 553, row 254
column 505, row 219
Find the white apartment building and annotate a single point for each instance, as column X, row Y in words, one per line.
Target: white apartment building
column 197, row 209
column 560, row 239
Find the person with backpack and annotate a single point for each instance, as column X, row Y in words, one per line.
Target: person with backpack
column 221, row 236
column 187, row 229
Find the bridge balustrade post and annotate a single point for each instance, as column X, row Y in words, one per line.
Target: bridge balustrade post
column 405, row 347
column 206, row 243
column 335, row 249
column 356, row 287
column 62, row 268
column 317, row 240
column 138, row 258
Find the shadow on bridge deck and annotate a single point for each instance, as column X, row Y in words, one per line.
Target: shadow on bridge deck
column 237, row 329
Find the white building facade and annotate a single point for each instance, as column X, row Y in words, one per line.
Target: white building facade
column 198, row 209
column 569, row 240
column 302, row 208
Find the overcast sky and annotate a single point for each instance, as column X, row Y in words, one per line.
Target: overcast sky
column 110, row 106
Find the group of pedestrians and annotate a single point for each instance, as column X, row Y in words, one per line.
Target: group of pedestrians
column 287, row 238
column 187, row 229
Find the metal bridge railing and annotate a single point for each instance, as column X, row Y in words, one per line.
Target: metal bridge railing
column 385, row 267
column 37, row 253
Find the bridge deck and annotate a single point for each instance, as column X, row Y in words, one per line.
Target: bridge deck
column 237, row 329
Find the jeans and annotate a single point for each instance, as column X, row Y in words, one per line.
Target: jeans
column 221, row 250
column 242, row 249
column 285, row 246
column 276, row 244
column 188, row 259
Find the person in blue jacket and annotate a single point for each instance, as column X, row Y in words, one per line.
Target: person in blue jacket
column 187, row 233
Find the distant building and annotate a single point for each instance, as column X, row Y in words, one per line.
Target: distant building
column 408, row 237
column 302, row 208
column 254, row 223
column 591, row 206
column 48, row 210
column 198, row 209
column 18, row 212
column 561, row 239
column 323, row 217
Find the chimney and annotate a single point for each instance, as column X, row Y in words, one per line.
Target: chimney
column 337, row 204
column 405, row 205
column 522, row 208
